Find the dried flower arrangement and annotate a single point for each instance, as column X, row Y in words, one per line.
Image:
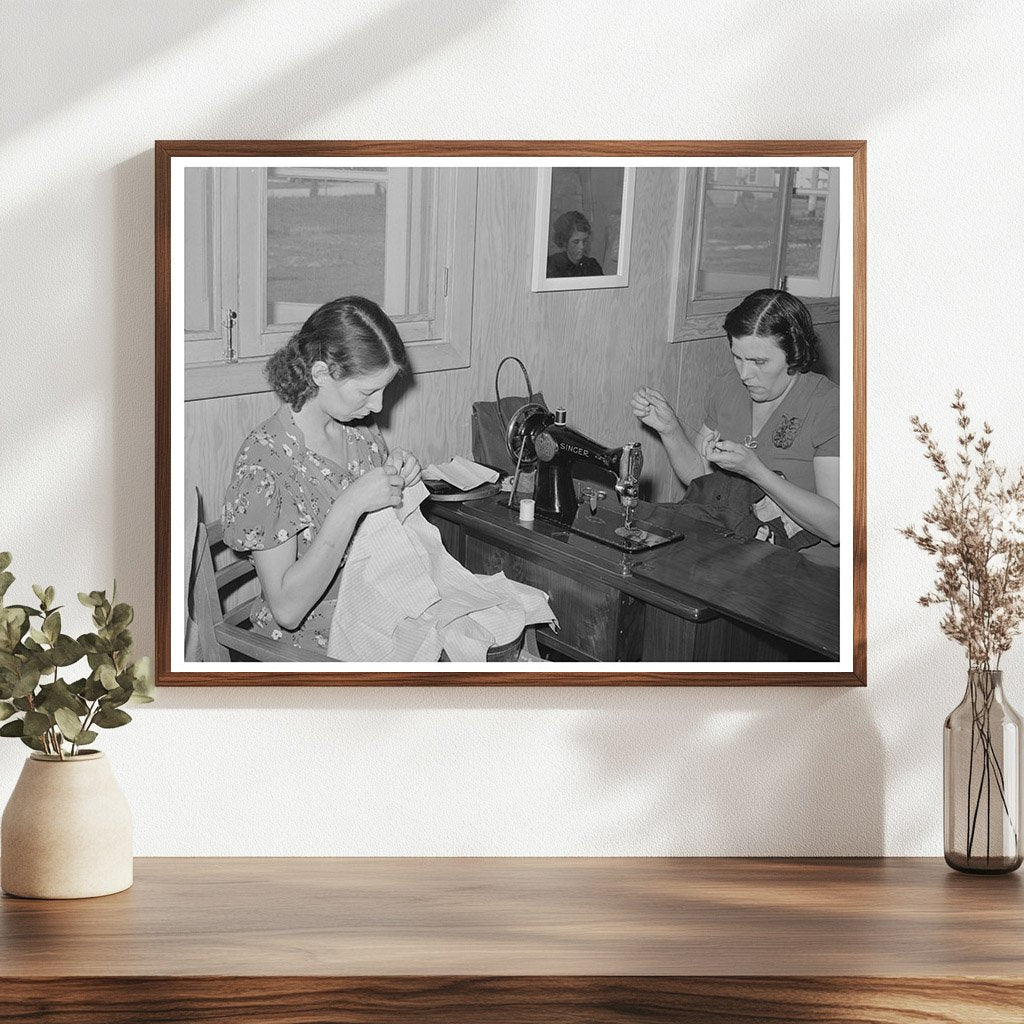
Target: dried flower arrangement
column 975, row 528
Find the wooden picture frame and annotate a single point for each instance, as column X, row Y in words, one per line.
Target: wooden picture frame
column 502, row 195
column 601, row 199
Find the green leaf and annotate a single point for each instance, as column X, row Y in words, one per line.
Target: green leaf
column 6, row 579
column 27, row 682
column 107, row 676
column 15, row 728
column 122, row 641
column 51, row 626
column 122, row 616
column 86, row 736
column 69, row 724
column 142, row 681
column 31, row 741
column 94, row 689
column 36, row 723
column 29, row 611
column 111, row 718
column 58, row 695
column 89, row 600
column 66, row 651
column 6, row 710
column 5, row 560
column 40, row 593
column 115, row 698
column 13, row 624
column 50, row 595
column 94, row 644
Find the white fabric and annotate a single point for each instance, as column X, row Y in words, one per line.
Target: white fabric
column 462, row 473
column 404, row 598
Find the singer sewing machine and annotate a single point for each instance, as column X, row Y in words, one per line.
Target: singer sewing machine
column 540, row 439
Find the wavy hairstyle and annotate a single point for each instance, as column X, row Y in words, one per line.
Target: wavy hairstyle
column 352, row 335
column 563, row 228
column 770, row 313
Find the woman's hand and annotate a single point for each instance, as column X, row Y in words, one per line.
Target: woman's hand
column 651, row 408
column 379, row 488
column 407, row 464
column 735, row 457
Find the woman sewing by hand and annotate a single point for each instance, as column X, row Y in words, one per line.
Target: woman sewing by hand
column 303, row 479
column 770, row 420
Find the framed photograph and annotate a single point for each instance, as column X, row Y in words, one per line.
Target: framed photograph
column 582, row 230
column 389, row 454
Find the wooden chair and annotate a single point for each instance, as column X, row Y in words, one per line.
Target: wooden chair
column 231, row 627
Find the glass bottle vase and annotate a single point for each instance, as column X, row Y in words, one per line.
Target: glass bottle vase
column 981, row 773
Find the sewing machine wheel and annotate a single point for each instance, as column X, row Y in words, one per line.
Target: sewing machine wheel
column 515, row 436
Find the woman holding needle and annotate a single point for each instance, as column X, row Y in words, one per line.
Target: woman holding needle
column 770, row 419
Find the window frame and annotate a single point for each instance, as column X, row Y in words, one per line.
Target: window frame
column 232, row 363
column 692, row 318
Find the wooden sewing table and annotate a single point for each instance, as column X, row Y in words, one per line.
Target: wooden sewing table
column 708, row 597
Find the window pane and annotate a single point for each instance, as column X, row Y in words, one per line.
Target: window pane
column 806, row 222
column 200, row 254
column 738, row 233
column 326, row 233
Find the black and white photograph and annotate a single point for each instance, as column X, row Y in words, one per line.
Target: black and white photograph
column 583, row 224
column 580, row 420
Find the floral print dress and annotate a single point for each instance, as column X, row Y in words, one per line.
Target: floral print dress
column 281, row 489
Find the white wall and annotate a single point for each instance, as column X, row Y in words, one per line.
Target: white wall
column 936, row 89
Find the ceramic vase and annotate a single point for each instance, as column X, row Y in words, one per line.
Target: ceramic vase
column 981, row 776
column 66, row 830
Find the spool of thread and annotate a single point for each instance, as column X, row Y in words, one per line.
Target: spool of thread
column 526, row 507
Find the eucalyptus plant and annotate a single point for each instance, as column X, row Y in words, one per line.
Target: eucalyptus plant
column 46, row 712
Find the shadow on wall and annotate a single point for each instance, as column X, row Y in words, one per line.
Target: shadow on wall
column 131, row 397
column 345, row 64
column 71, row 31
column 738, row 772
column 694, row 771
column 922, row 36
column 398, row 37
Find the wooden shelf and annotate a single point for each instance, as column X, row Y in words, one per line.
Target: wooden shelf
column 312, row 940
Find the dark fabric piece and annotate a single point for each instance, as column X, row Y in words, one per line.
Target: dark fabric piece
column 559, row 265
column 727, row 500
column 489, row 448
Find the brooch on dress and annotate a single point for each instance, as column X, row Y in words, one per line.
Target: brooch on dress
column 786, row 431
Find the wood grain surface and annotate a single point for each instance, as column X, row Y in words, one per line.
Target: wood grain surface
column 770, row 589
column 521, row 1000
column 523, row 939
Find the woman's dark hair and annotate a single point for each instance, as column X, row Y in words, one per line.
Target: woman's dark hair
column 569, row 222
column 769, row 313
column 352, row 335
